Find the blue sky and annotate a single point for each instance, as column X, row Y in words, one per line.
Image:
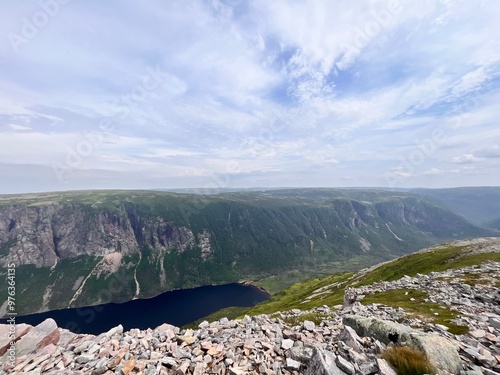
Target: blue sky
column 235, row 93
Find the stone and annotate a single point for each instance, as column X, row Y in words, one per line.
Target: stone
column 189, row 340
column 118, row 330
column 237, row 371
column 351, row 338
column 292, row 364
column 323, row 363
column 477, row 333
column 84, row 358
column 128, row 367
column 11, row 332
column 345, row 365
column 440, row 352
column 286, row 344
column 308, row 325
column 385, row 368
column 300, row 354
column 39, row 336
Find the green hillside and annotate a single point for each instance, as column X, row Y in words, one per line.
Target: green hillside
column 330, row 290
column 83, row 248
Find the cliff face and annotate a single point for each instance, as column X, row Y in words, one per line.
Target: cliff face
column 70, row 247
column 43, row 235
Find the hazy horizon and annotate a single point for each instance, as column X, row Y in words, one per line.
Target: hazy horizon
column 238, row 93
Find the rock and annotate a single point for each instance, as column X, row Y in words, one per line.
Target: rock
column 286, row 344
column 323, row 363
column 129, row 366
column 292, row 364
column 300, row 354
column 440, row 352
column 203, row 324
column 84, row 358
column 11, row 332
column 183, row 368
column 237, row 371
column 350, row 338
column 308, row 325
column 189, row 340
column 477, row 334
column 39, row 336
column 118, row 330
column 385, row 368
column 345, row 365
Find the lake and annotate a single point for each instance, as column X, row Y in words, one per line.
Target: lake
column 178, row 307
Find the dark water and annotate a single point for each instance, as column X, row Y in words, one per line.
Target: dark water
column 178, row 307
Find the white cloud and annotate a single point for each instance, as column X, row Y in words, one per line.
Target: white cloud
column 465, row 159
column 287, row 90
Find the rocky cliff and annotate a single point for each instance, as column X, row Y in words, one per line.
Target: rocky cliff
column 83, row 248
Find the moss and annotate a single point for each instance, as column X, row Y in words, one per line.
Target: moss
column 407, row 361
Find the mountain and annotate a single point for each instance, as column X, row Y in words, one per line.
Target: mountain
column 85, row 248
column 479, row 205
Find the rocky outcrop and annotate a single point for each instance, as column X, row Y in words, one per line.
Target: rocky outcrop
column 440, row 351
column 42, row 235
column 269, row 345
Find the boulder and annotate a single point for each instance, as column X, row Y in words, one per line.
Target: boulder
column 323, row 363
column 39, row 336
column 439, row 351
column 7, row 335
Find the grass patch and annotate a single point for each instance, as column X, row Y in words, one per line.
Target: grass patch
column 418, row 308
column 438, row 260
column 297, row 296
column 408, row 361
column 299, row 320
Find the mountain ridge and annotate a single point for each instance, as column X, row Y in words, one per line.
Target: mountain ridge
column 112, row 246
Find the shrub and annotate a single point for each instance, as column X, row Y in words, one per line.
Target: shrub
column 407, row 361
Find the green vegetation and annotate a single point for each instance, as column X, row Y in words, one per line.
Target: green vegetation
column 306, row 295
column 298, row 320
column 329, row 290
column 408, row 361
column 437, row 260
column 38, row 286
column 418, row 307
column 275, row 237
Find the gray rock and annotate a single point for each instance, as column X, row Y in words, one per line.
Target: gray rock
column 440, row 352
column 118, row 330
column 286, row 344
column 323, row 363
column 308, row 325
column 301, row 354
column 384, row 367
column 345, row 365
column 84, row 358
column 292, row 364
column 350, row 338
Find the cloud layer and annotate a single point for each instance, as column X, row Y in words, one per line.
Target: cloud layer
column 235, row 93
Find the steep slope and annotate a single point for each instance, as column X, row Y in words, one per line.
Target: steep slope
column 83, row 248
column 440, row 322
column 479, row 205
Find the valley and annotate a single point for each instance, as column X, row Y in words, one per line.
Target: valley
column 86, row 248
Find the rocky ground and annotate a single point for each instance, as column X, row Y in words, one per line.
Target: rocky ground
column 345, row 340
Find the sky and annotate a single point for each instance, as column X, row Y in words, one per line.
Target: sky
column 233, row 93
